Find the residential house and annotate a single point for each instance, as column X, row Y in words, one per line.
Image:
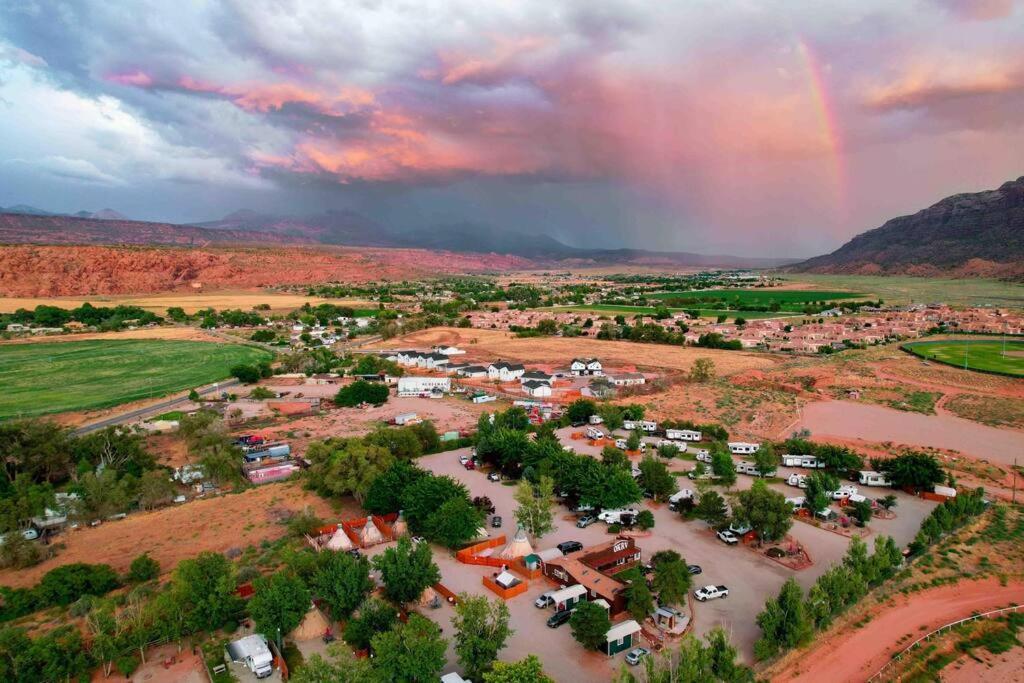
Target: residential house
column 504, row 371
column 536, row 388
column 627, row 379
column 537, row 376
column 621, row 637
column 473, row 371
column 586, row 366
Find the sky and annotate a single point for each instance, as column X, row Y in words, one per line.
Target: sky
column 753, row 127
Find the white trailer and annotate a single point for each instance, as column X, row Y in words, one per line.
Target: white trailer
column 683, row 435
column 743, row 448
column 870, row 478
column 253, row 652
column 644, row 425
column 677, row 497
column 594, row 433
column 807, row 461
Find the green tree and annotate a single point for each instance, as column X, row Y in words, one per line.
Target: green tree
column 765, row 511
column 407, row 570
column 639, row 601
column 155, row 489
column 384, row 494
column 668, row 450
column 723, row 466
column 143, row 568
column 765, row 460
column 526, row 670
column 346, row 467
column 403, row 443
column 645, row 519
column 246, row 374
column 481, row 629
column 279, row 603
column 711, row 508
column 534, row 511
column 672, row 578
column 338, row 665
column 204, row 588
column 17, row 552
column 616, row 488
column 342, row 582
column 633, row 441
column 455, row 523
column 919, row 471
column 722, row 659
column 361, row 391
column 703, row 370
column 547, row 326
column 784, row 622
column 580, row 410
column 818, row 490
column 412, row 652
column 861, row 511
column 219, row 458
column 428, row 494
column 611, row 415
column 590, row 624
column 656, row 478
column 374, row 616
column 614, row 457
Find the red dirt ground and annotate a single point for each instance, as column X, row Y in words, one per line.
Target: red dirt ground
column 856, row 654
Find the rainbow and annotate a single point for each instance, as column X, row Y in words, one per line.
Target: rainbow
column 828, row 122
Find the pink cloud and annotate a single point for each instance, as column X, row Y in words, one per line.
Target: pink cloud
column 928, row 84
column 136, row 78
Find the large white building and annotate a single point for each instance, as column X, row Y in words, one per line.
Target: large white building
column 418, row 386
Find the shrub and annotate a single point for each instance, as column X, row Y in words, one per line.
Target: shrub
column 65, row 584
column 143, row 568
column 645, row 519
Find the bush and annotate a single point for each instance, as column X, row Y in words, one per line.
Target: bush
column 143, row 568
column 614, row 528
column 362, row 391
column 645, row 520
column 18, row 552
column 126, row 664
column 65, row 584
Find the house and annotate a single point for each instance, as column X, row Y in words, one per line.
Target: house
column 448, row 350
column 419, row 386
column 504, row 371
column 569, row 571
column 568, row 597
column 743, row 448
column 473, row 371
column 536, row 388
column 435, row 361
column 869, row 478
column 612, row 557
column 537, row 376
column 627, row 379
column 682, row 435
column 586, row 366
column 621, row 637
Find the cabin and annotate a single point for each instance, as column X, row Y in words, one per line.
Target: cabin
column 621, row 637
column 586, row 366
column 504, row 371
column 627, row 379
column 743, row 448
column 683, row 435
column 870, row 478
column 568, row 597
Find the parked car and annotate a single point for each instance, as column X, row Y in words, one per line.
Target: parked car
column 559, row 618
column 615, row 516
column 544, row 600
column 634, row 656
column 585, row 521
column 494, row 476
column 469, row 465
column 694, row 569
column 418, row 539
column 728, row 537
column 463, row 459
column 710, row 592
column 570, row 547
column 496, row 522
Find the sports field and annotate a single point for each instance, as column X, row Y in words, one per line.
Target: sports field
column 788, row 299
column 46, row 378
column 613, row 310
column 903, row 289
column 986, row 354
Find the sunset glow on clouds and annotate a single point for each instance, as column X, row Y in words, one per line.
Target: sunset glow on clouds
column 705, row 126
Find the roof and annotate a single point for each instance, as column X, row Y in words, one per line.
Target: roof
column 474, row 368
column 626, row 628
column 574, row 591
column 533, row 384
column 536, row 374
column 508, row 366
column 590, row 578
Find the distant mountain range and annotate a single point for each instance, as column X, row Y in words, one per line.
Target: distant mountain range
column 977, row 234
column 102, row 214
column 21, row 224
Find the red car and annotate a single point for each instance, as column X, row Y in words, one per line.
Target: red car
column 469, row 465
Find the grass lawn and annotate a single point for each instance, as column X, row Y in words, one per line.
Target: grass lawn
column 612, row 310
column 980, row 354
column 62, row 376
column 792, row 299
column 898, row 289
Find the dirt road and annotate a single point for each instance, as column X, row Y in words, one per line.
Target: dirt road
column 856, row 654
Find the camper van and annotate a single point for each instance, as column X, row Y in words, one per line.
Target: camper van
column 253, row 652
column 682, row 435
column 677, row 497
column 743, row 448
column 616, row 516
column 594, row 433
column 869, row 478
column 645, row 425
column 799, row 480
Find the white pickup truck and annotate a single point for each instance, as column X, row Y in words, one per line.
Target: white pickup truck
column 710, row 593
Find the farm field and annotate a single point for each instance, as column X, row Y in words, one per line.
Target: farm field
column 612, row 310
column 897, row 289
column 988, row 355
column 159, row 303
column 45, row 378
column 791, row 299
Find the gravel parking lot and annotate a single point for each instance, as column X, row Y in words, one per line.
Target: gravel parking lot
column 751, row 578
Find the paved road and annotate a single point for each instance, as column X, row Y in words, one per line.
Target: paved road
column 156, row 408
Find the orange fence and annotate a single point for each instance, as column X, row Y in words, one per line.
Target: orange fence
column 505, row 593
column 468, row 555
column 446, row 593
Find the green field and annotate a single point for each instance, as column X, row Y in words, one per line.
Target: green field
column 612, row 310
column 985, row 354
column 789, row 299
column 56, row 377
column 898, row 289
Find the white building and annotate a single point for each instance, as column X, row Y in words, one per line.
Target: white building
column 627, row 379
column 419, row 386
column 682, row 435
column 536, row 388
column 505, row 371
column 586, row 366
column 743, row 448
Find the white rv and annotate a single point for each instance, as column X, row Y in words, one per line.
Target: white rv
column 682, row 435
column 808, row 461
column 644, row 425
column 594, row 433
column 869, row 478
column 681, row 495
column 743, row 448
column 253, row 652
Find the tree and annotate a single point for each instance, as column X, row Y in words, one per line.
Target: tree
column 339, row 665
column 633, row 441
column 413, row 651
column 723, row 467
column 526, row 670
column 362, row 391
column 219, row 458
column 616, row 488
column 342, row 582
column 590, row 624
column 668, row 450
column 155, row 489
column 672, row 578
column 614, row 457
column 17, row 552
column 888, row 502
column 784, row 622
column 407, row 570
column 765, row 511
column 534, row 511
column 722, row 659
column 818, row 490
column 279, row 603
column 711, row 508
column 861, row 511
column 40, row 449
column 656, row 478
column 116, row 447
column 342, row 467
column 639, row 601
column 426, row 495
column 765, row 460
column 65, row 584
column 455, row 523
column 246, row 374
column 384, row 495
column 645, row 519
column 547, row 326
column 374, row 616
column 143, row 568
column 703, row 370
column 402, row 443
column 919, row 471
column 481, row 629
column 611, row 415
column 580, row 410
column 204, row 588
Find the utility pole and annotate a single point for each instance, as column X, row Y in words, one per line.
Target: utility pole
column 967, row 350
column 1014, row 500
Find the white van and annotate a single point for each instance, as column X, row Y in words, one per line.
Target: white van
column 594, row 433
column 615, row 516
column 677, row 497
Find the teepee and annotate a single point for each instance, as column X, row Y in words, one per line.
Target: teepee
column 370, row 534
column 400, row 527
column 313, row 625
column 339, row 541
column 519, row 546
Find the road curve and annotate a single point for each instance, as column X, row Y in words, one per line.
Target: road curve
column 855, row 654
column 153, row 409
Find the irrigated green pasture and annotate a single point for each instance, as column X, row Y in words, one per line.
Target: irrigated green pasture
column 787, row 299
column 56, row 377
column 986, row 354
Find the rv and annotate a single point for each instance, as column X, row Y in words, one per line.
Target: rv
column 799, row 480
column 645, row 425
column 253, row 652
column 745, row 467
column 869, row 478
column 808, row 461
column 682, row 435
column 684, row 494
column 703, row 455
column 743, row 448
column 594, row 433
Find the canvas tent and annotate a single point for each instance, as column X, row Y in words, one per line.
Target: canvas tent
column 313, row 625
column 519, row 546
column 370, row 534
column 339, row 541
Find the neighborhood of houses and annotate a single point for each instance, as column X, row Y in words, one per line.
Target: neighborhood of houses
column 800, row 334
